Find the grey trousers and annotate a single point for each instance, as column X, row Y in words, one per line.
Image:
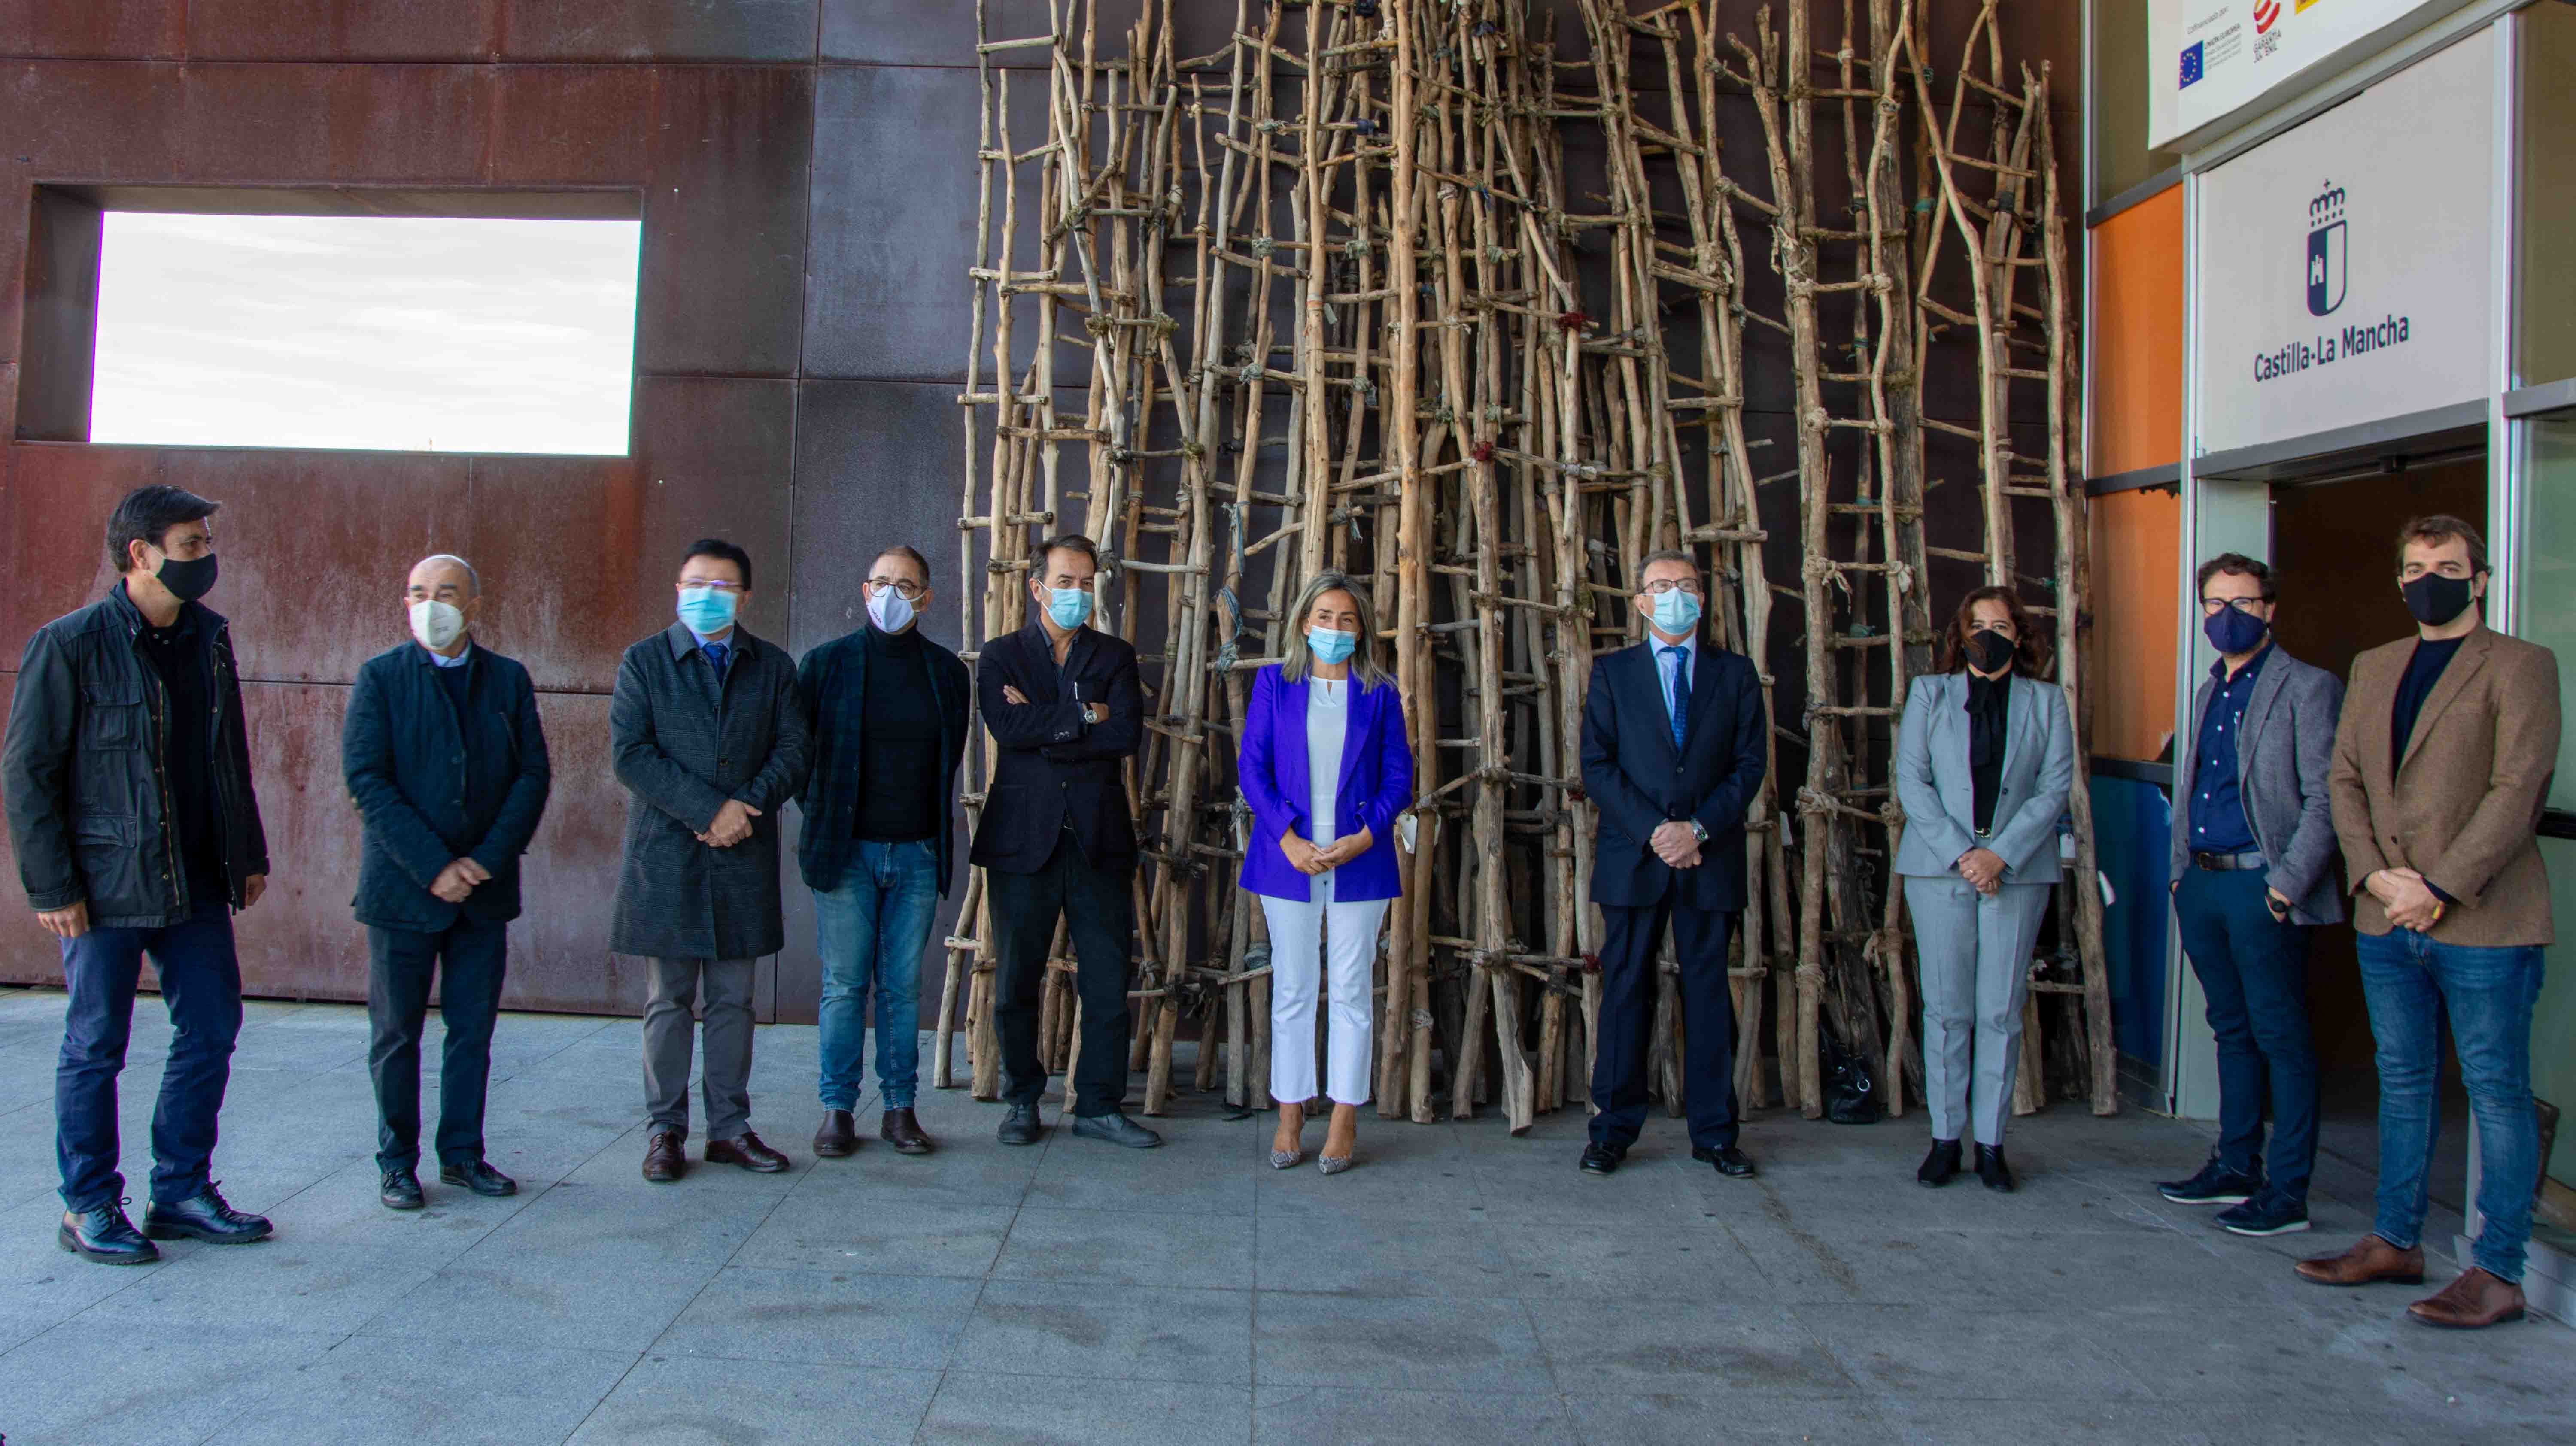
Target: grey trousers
column 1976, row 976
column 672, row 989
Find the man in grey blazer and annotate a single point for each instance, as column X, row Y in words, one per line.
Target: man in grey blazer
column 2253, row 847
column 707, row 735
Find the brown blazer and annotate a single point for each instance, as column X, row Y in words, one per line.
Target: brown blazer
column 2466, row 799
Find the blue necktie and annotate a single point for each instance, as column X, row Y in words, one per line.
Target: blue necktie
column 1681, row 692
column 716, row 654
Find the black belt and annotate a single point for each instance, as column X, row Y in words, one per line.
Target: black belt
column 2224, row 863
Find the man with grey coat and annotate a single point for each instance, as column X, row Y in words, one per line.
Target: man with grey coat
column 2253, row 850
column 707, row 735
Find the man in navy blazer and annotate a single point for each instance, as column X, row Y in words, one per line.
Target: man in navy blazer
column 1673, row 753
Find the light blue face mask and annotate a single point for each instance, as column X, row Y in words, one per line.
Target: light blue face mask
column 1331, row 647
column 1070, row 607
column 1676, row 612
column 707, row 610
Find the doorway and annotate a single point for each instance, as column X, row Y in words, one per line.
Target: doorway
column 2334, row 555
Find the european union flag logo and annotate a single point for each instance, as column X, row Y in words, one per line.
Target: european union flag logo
column 2191, row 61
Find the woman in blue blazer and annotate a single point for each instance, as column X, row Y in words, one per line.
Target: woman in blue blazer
column 1984, row 760
column 1326, row 769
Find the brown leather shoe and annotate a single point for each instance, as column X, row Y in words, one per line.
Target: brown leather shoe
column 2473, row 1302
column 839, row 1135
column 747, row 1151
column 2370, row 1259
column 666, row 1156
column 904, row 1132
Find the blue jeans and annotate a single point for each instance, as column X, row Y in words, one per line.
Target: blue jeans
column 201, row 986
column 871, row 932
column 2254, row 971
column 2408, row 980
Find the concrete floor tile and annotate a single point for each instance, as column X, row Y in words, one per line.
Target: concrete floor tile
column 184, row 1388
column 1695, row 1260
column 824, row 1317
column 695, row 1401
column 342, row 1208
column 971, row 1170
column 1186, row 1176
column 1652, row 1419
column 830, row 1232
column 1684, row 1347
column 1981, row 1423
column 1519, row 1182
column 1000, row 1408
column 1128, row 1247
column 41, row 1284
column 1929, row 1351
column 281, row 1284
column 1110, row 1331
column 1395, row 1179
column 1367, row 1256
column 1340, row 1416
column 376, row 1388
column 1411, row 1344
column 580, row 1301
column 671, row 1223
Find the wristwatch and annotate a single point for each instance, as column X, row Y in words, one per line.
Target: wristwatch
column 1699, row 830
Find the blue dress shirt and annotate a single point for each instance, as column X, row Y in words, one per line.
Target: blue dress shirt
column 2218, row 823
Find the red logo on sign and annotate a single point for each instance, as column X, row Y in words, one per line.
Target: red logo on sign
column 2266, row 14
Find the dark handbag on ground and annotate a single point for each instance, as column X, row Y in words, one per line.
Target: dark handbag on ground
column 1851, row 1093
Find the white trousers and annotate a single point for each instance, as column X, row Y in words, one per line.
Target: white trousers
column 1297, row 957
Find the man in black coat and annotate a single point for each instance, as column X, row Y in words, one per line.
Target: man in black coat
column 127, row 771
column 706, row 732
column 1673, row 752
column 1064, row 703
column 447, row 765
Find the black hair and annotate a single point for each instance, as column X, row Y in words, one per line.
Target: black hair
column 1067, row 542
column 146, row 515
column 719, row 548
column 2237, row 564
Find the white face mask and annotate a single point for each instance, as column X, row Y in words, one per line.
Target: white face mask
column 436, row 624
column 890, row 610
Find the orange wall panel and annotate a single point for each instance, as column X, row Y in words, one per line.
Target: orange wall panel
column 2137, row 337
column 2137, row 537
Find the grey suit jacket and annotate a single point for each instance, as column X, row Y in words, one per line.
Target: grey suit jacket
column 1938, row 791
column 2283, row 751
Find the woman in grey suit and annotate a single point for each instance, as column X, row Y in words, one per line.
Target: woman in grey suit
column 1984, row 759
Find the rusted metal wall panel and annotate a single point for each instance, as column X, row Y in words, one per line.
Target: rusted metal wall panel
column 342, row 30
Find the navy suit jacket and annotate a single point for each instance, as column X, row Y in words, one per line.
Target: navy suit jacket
column 1639, row 779
column 434, row 784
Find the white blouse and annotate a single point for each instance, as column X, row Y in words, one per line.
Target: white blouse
column 1328, row 711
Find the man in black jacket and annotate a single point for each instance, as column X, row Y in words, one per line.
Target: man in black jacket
column 447, row 765
column 127, row 771
column 1673, row 752
column 1064, row 703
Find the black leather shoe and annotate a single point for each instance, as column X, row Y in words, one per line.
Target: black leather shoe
column 1939, row 1165
column 478, row 1177
column 1020, row 1126
column 1601, row 1159
column 106, row 1236
column 400, row 1190
column 204, row 1216
column 839, row 1136
column 747, row 1151
column 1731, row 1162
column 1992, row 1170
column 666, row 1156
column 901, row 1128
column 1117, row 1129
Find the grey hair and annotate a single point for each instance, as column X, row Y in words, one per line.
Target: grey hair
column 1667, row 554
column 1300, row 659
column 473, row 579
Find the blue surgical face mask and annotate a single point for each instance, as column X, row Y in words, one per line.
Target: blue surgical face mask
column 1676, row 612
column 1331, row 647
column 707, row 610
column 1069, row 607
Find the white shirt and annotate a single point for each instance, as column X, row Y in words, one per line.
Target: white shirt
column 463, row 655
column 1328, row 712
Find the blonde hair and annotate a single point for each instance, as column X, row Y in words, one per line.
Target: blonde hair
column 1300, row 659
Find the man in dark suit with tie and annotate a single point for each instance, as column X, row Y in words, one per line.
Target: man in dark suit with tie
column 1673, row 734
column 1063, row 701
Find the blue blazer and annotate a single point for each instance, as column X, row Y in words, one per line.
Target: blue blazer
column 1376, row 785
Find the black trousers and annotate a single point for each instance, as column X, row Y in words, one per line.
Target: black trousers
column 1099, row 914
column 469, row 959
column 1627, row 1021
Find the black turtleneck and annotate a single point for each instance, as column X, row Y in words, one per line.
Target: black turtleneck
column 899, row 770
column 1988, row 702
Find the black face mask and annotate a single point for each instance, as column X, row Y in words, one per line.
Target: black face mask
column 1989, row 652
column 190, row 580
column 2435, row 599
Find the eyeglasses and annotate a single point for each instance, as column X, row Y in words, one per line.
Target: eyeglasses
column 1663, row 585
column 2209, row 606
column 711, row 585
column 903, row 587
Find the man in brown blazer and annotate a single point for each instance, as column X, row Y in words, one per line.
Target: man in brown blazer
column 2441, row 765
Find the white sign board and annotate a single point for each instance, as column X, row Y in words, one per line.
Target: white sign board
column 2206, row 58
column 2345, row 265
